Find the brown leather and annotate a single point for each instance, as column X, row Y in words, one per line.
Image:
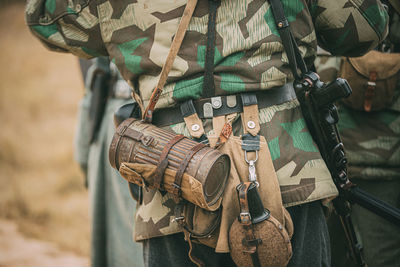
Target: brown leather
column 204, row 178
column 163, row 161
column 225, row 133
column 250, row 242
column 173, row 51
column 370, row 92
column 182, row 167
column 373, row 79
column 250, row 115
column 194, row 259
column 193, row 120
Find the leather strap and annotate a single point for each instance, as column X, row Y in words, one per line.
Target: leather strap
column 163, row 161
column 289, row 43
column 173, row 51
column 194, row 259
column 182, row 167
column 192, row 120
column 209, row 85
column 265, row 98
column 250, row 242
column 370, row 91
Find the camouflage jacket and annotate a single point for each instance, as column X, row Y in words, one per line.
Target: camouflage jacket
column 371, row 140
column 137, row 34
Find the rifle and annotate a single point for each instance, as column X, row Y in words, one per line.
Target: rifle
column 317, row 103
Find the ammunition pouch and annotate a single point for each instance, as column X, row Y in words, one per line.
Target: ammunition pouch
column 373, row 78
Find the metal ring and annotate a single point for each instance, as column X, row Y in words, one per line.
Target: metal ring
column 245, row 156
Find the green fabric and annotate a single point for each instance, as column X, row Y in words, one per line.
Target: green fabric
column 46, row 31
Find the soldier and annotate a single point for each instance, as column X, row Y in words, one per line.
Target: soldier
column 370, row 130
column 112, row 208
column 230, row 47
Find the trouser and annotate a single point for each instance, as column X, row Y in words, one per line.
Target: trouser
column 380, row 238
column 310, row 244
column 111, row 206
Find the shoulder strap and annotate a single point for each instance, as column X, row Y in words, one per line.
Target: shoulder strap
column 173, row 51
column 296, row 61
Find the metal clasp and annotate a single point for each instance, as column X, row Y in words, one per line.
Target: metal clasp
column 252, row 168
column 176, row 219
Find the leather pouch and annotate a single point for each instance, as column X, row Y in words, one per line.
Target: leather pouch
column 373, row 79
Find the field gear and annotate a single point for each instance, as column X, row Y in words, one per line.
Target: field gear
column 374, row 78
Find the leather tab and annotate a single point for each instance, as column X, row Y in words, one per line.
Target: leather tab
column 370, row 91
column 250, row 120
column 225, row 133
column 194, row 125
column 218, row 125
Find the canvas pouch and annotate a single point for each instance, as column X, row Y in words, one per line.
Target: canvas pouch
column 373, row 79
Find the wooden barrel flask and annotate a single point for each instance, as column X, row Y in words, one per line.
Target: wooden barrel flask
column 208, row 166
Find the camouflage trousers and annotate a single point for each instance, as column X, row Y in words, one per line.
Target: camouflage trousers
column 310, row 244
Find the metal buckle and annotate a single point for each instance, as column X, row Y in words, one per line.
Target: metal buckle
column 245, row 217
column 176, row 219
column 248, row 161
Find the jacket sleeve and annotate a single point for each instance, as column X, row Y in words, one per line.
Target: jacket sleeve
column 349, row 28
column 66, row 26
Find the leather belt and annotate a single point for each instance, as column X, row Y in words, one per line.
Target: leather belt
column 222, row 105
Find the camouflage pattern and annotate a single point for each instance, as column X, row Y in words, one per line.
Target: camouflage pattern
column 372, row 140
column 302, row 174
column 372, row 143
column 137, row 34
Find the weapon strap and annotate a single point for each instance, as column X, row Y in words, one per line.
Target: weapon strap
column 173, row 51
column 296, row 61
column 209, row 85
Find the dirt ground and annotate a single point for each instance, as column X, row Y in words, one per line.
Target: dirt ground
column 42, row 196
column 19, row 251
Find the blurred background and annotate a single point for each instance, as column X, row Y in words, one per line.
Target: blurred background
column 43, row 201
